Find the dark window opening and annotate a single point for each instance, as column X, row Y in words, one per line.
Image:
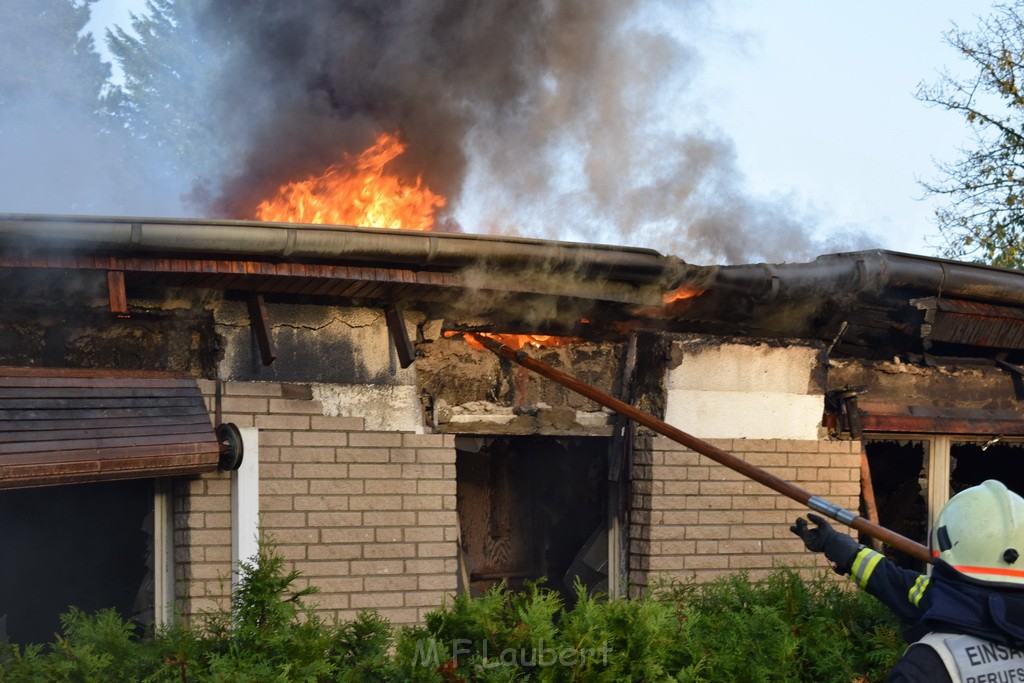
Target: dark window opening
column 974, row 462
column 87, row 545
column 532, row 508
column 901, row 493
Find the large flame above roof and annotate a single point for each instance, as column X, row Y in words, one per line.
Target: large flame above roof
column 359, row 192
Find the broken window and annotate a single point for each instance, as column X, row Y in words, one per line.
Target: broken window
column 974, row 462
column 904, row 494
column 85, row 545
column 532, row 508
column 899, row 479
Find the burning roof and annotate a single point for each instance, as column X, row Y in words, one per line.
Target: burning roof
column 357, row 192
column 872, row 304
column 524, row 117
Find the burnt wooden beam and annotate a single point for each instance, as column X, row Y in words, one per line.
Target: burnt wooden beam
column 906, row 419
column 396, row 326
column 116, row 291
column 260, row 323
column 978, row 426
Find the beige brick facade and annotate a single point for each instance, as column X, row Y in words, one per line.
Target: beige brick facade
column 370, row 517
column 367, row 517
column 694, row 518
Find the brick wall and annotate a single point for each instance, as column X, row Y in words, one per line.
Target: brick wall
column 367, row 517
column 370, row 517
column 692, row 517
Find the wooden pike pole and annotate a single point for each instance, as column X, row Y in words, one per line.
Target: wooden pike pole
column 720, row 456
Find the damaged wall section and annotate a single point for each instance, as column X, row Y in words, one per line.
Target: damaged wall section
column 325, row 344
column 965, row 386
column 344, row 355
column 68, row 323
column 730, row 389
column 473, row 391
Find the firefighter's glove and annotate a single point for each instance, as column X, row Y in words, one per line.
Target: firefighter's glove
column 839, row 548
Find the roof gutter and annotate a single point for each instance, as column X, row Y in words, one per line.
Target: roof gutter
column 872, row 272
column 297, row 242
column 828, row 276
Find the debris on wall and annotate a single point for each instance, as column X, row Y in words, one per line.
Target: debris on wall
column 468, row 390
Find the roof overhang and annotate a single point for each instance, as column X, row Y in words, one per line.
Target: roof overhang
column 510, row 279
column 872, row 304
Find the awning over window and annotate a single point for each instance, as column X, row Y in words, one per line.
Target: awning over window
column 63, row 426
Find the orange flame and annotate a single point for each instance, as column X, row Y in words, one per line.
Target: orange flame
column 684, row 292
column 357, row 192
column 666, row 310
column 516, row 341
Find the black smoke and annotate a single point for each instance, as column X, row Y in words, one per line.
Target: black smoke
column 544, row 118
column 559, row 119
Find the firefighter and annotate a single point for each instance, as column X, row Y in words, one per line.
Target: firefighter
column 965, row 622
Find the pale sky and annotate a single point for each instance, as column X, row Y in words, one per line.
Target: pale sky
column 818, row 99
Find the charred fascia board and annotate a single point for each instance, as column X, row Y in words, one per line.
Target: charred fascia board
column 874, row 272
column 824, row 298
column 447, row 264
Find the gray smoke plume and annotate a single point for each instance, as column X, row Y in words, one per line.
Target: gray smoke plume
column 556, row 119
column 534, row 117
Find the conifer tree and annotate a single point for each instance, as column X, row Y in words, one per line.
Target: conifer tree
column 165, row 100
column 43, row 49
column 54, row 112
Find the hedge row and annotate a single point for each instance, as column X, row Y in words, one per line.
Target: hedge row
column 785, row 628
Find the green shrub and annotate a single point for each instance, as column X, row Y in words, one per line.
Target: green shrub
column 784, row 628
column 361, row 650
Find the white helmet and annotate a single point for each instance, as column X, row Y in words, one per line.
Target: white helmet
column 980, row 534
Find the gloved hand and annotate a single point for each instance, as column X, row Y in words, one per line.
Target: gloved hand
column 840, row 549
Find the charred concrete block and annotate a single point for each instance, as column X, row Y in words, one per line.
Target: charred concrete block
column 468, row 390
column 81, row 337
column 313, row 343
column 66, row 321
column 750, row 390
